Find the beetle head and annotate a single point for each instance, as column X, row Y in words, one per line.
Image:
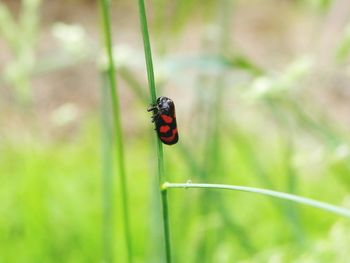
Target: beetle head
column 165, row 105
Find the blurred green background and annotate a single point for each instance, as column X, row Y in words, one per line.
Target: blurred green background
column 261, row 89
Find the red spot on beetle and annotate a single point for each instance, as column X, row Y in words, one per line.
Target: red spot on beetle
column 170, row 138
column 166, row 118
column 164, row 128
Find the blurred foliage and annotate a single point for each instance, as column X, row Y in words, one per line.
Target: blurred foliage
column 240, row 122
column 343, row 50
column 51, row 207
column 322, row 5
column 18, row 72
column 22, row 45
column 171, row 17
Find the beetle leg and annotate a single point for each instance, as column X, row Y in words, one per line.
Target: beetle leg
column 152, row 108
column 155, row 117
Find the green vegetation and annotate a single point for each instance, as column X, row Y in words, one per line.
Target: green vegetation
column 260, row 106
column 159, row 151
column 118, row 138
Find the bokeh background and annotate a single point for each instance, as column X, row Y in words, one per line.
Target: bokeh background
column 261, row 89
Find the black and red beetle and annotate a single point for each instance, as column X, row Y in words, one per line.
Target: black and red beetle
column 164, row 118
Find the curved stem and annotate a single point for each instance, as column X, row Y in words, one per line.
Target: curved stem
column 302, row 200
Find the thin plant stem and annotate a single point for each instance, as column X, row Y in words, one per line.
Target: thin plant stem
column 295, row 198
column 148, row 52
column 107, row 171
column 106, row 28
column 166, row 223
column 153, row 93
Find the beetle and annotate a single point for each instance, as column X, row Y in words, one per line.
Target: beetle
column 164, row 118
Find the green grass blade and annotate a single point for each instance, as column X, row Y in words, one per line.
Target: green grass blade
column 295, row 198
column 166, row 225
column 152, row 89
column 148, row 52
column 107, row 172
column 106, row 28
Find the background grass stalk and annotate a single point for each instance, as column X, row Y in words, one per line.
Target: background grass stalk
column 106, row 28
column 295, row 198
column 107, row 171
column 152, row 89
column 214, row 162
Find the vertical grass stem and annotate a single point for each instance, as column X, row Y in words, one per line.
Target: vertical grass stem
column 107, row 171
column 152, row 89
column 106, row 28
